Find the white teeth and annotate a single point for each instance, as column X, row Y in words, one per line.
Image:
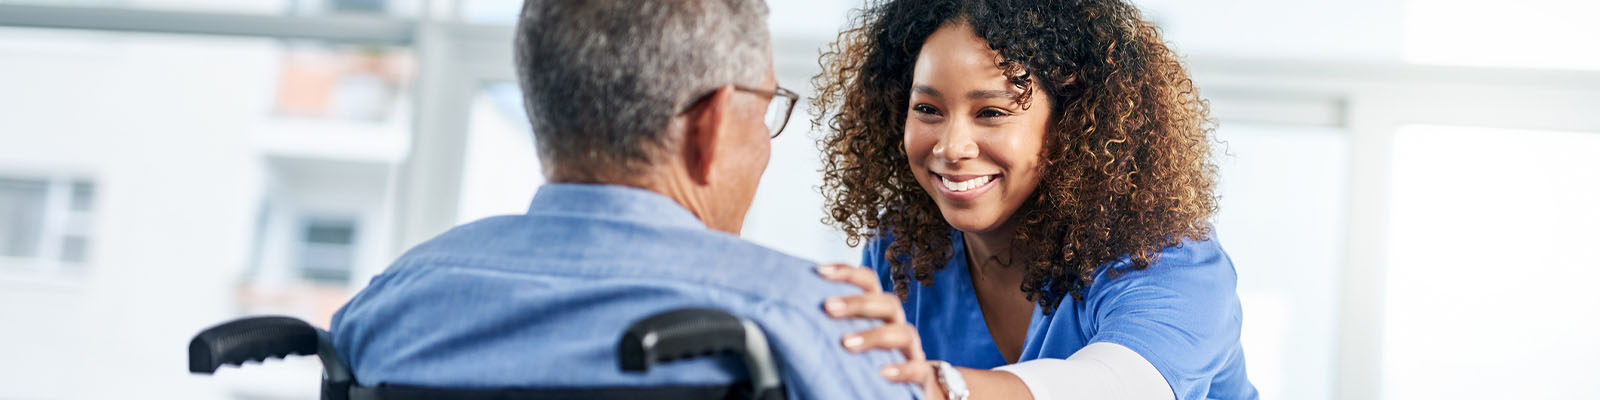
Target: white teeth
column 966, row 184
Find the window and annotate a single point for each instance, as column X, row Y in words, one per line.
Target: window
column 1551, row 34
column 1281, row 221
column 45, row 222
column 328, row 251
column 1492, row 266
column 22, row 203
column 501, row 171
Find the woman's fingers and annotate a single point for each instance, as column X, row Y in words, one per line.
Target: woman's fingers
column 920, row 373
column 895, row 334
column 900, row 337
column 864, row 278
column 911, row 372
column 880, row 306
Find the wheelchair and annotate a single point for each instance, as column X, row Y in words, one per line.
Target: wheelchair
column 661, row 338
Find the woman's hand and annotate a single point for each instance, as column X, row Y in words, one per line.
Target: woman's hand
column 895, row 334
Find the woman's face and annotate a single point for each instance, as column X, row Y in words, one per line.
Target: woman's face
column 971, row 145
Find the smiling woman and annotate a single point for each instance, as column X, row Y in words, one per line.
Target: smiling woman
column 1041, row 170
column 1127, row 138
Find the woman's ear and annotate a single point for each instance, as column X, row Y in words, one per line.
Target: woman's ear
column 708, row 124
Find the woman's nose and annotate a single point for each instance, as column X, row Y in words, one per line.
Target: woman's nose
column 955, row 144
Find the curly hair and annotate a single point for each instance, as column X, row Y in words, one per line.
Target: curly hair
column 1125, row 168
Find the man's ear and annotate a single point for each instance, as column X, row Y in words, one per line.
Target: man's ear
column 708, row 123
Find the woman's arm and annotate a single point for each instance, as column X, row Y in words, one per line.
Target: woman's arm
column 1101, row 370
column 995, row 384
column 981, row 384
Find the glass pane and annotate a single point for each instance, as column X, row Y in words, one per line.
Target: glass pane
column 1281, row 221
column 502, row 170
column 1491, row 267
column 1536, row 33
column 342, row 233
column 22, row 206
column 74, row 249
column 327, row 252
column 82, row 196
column 503, row 12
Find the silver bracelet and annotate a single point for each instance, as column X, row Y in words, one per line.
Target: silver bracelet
column 955, row 387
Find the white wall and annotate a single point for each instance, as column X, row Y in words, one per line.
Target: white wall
column 1491, row 279
column 1281, row 221
column 157, row 126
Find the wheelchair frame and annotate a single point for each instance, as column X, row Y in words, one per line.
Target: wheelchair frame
column 660, row 338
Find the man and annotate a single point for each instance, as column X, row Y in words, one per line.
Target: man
column 649, row 118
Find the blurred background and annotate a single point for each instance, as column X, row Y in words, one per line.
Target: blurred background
column 1409, row 187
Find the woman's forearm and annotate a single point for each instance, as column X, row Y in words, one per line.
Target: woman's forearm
column 1100, row 370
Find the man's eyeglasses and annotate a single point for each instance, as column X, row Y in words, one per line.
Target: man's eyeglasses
column 778, row 111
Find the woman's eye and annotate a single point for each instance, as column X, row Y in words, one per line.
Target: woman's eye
column 925, row 109
column 991, row 113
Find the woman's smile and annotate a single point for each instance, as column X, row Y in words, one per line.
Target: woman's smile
column 964, row 187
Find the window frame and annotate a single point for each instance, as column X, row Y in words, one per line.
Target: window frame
column 57, row 224
column 1371, row 103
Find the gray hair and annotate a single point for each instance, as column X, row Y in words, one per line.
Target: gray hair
column 602, row 79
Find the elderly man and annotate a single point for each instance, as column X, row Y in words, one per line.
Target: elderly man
column 649, row 117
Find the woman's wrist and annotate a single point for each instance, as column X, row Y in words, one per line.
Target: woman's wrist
column 990, row 384
column 933, row 391
column 950, row 383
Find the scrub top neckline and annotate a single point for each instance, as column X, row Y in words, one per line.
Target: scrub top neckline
column 976, row 319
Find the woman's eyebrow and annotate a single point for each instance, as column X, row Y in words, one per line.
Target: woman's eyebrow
column 990, row 94
column 973, row 95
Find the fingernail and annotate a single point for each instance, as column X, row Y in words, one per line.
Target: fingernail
column 853, row 341
column 890, row 372
column 826, row 269
column 833, row 306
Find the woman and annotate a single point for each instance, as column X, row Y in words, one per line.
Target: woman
column 1033, row 180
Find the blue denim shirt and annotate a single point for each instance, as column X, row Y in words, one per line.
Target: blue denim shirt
column 540, row 300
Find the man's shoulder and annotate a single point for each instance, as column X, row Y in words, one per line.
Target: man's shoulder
column 642, row 253
column 554, row 288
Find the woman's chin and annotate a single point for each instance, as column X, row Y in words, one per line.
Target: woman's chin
column 968, row 221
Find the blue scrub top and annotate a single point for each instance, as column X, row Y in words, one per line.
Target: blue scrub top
column 1182, row 314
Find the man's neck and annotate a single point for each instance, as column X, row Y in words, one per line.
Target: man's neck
column 671, row 182
column 686, row 195
column 679, row 189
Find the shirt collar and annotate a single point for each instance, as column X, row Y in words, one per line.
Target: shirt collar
column 612, row 202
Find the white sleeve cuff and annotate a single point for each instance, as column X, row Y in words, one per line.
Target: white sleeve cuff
column 1101, row 370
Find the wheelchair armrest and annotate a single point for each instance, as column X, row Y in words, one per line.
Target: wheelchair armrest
column 250, row 339
column 259, row 338
column 698, row 332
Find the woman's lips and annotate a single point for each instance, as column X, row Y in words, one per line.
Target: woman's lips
column 964, row 187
